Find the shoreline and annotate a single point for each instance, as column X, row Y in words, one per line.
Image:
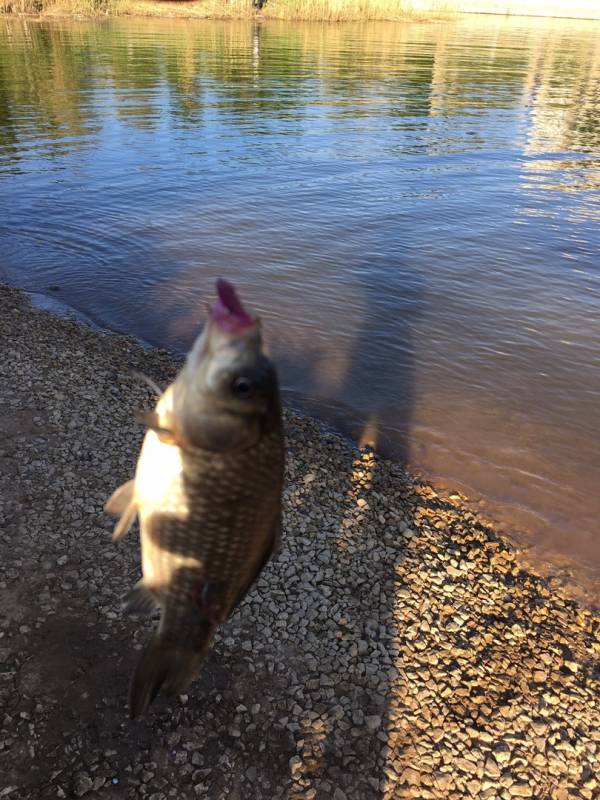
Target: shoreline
column 216, row 10
column 300, row 11
column 396, row 648
column 550, row 562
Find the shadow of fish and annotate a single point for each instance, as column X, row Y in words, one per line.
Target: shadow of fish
column 207, row 490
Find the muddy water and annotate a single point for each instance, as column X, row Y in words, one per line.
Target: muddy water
column 414, row 208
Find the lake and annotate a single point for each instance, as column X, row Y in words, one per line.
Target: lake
column 414, row 208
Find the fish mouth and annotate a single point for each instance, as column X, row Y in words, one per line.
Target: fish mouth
column 228, row 311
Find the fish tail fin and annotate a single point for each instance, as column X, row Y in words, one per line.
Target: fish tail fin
column 168, row 666
column 122, row 502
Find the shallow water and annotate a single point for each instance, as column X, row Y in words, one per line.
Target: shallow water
column 413, row 207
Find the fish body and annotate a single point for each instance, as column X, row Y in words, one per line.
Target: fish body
column 207, row 491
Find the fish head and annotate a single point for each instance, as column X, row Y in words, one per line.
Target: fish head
column 230, row 389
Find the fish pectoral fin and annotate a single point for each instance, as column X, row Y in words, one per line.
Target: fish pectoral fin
column 119, row 500
column 211, row 602
column 151, row 421
column 125, row 523
column 140, row 600
column 122, row 502
column 148, row 381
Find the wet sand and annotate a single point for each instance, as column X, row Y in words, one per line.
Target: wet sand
column 397, row 647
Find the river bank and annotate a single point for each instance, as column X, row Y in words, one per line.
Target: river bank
column 308, row 10
column 396, row 648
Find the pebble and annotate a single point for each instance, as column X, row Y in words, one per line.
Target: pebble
column 295, row 764
column 373, row 723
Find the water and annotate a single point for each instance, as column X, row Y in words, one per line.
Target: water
column 413, row 207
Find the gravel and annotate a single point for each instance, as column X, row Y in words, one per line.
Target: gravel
column 397, row 647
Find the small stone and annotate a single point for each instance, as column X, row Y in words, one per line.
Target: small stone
column 465, row 765
column 83, row 785
column 502, row 754
column 551, row 699
column 373, row 723
column 521, row 790
column 411, row 776
column 491, row 769
column 358, row 717
column 442, row 780
column 295, row 763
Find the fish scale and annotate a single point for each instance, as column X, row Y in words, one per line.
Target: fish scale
column 226, row 531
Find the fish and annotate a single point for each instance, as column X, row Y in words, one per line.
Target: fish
column 207, row 493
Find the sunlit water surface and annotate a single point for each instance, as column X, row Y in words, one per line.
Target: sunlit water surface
column 414, row 209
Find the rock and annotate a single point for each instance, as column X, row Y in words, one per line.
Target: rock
column 442, row 781
column 83, row 784
column 502, row 754
column 411, row 776
column 295, row 765
column 491, row 768
column 465, row 765
column 373, row 723
column 521, row 790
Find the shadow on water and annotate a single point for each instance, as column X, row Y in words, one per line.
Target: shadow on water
column 371, row 397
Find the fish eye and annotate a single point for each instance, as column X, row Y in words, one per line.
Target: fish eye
column 242, row 387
